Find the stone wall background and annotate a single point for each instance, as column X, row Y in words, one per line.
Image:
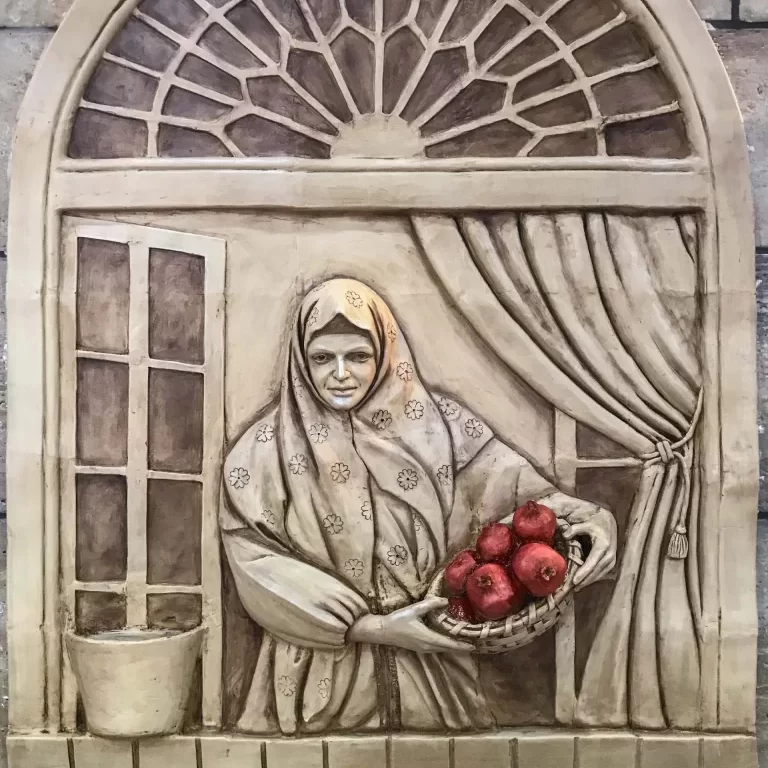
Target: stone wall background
column 740, row 31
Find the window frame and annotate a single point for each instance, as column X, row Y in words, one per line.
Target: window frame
column 141, row 240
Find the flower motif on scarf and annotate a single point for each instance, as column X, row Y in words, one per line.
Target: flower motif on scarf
column 354, row 568
column 312, row 319
column 298, row 386
column 391, row 332
column 298, row 464
column 340, row 473
column 473, row 428
column 354, row 298
column 333, row 524
column 405, row 371
column 444, row 475
column 408, row 479
column 367, row 510
column 447, row 407
column 269, row 516
column 397, row 555
column 324, row 688
column 318, row 433
column 286, row 685
column 416, row 522
column 265, row 433
column 382, row 419
column 239, row 478
column 414, row 410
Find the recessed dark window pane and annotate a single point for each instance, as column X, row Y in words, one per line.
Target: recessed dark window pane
column 174, row 521
column 101, row 135
column 99, row 612
column 613, row 488
column 174, row 611
column 103, row 277
column 101, row 550
column 176, row 306
column 590, row 444
column 175, row 421
column 102, row 413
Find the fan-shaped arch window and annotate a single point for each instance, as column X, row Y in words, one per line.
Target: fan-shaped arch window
column 384, row 78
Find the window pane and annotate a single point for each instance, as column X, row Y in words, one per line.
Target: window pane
column 615, row 489
column 173, row 611
column 101, row 553
column 175, row 421
column 99, row 612
column 174, row 520
column 176, row 306
column 103, row 277
column 592, row 445
column 523, row 692
column 102, row 413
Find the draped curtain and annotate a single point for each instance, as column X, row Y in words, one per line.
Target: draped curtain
column 598, row 313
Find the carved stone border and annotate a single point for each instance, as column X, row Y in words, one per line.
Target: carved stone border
column 729, row 449
column 507, row 749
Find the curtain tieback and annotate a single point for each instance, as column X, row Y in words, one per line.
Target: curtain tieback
column 667, row 452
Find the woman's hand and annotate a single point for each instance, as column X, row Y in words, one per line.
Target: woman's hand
column 405, row 629
column 600, row 525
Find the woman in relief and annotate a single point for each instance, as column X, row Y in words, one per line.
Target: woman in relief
column 341, row 503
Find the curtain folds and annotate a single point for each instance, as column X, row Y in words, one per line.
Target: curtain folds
column 598, row 313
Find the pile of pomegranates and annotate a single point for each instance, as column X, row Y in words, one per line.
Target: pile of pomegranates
column 510, row 566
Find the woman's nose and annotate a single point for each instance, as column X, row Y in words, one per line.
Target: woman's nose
column 341, row 372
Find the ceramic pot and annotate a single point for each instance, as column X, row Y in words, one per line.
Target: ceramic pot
column 135, row 682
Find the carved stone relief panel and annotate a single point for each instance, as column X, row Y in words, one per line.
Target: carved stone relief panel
column 290, row 429
column 387, row 399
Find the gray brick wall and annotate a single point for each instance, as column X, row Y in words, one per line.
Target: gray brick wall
column 740, row 30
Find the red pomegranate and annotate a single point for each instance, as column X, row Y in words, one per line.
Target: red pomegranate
column 455, row 576
column 492, row 594
column 460, row 609
column 540, row 569
column 535, row 522
column 494, row 543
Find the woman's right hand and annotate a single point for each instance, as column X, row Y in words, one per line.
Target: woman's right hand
column 405, row 629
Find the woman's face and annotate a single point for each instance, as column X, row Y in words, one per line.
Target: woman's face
column 342, row 367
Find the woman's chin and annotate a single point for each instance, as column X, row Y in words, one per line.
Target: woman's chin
column 343, row 402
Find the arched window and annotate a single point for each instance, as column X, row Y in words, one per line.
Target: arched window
column 552, row 194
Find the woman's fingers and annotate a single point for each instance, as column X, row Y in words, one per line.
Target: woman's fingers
column 585, row 574
column 428, row 605
column 434, row 642
column 605, row 566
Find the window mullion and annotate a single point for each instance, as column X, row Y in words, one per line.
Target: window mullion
column 136, row 579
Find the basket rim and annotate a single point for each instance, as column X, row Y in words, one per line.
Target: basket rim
column 522, row 622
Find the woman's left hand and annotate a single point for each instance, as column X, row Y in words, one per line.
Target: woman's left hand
column 600, row 525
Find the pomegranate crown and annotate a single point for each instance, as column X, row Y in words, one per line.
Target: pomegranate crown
column 547, row 572
column 485, row 582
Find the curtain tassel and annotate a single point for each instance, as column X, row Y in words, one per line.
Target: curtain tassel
column 678, row 544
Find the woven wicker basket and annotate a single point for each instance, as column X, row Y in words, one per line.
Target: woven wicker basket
column 519, row 629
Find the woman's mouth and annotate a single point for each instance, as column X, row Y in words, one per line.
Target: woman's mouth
column 341, row 392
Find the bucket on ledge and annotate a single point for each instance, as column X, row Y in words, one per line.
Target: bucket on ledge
column 135, row 682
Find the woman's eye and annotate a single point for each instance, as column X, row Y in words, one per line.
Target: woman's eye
column 321, row 359
column 361, row 357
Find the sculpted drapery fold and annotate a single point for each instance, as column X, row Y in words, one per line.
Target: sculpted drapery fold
column 580, row 306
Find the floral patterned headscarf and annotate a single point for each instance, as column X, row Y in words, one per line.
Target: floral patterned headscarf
column 338, row 466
